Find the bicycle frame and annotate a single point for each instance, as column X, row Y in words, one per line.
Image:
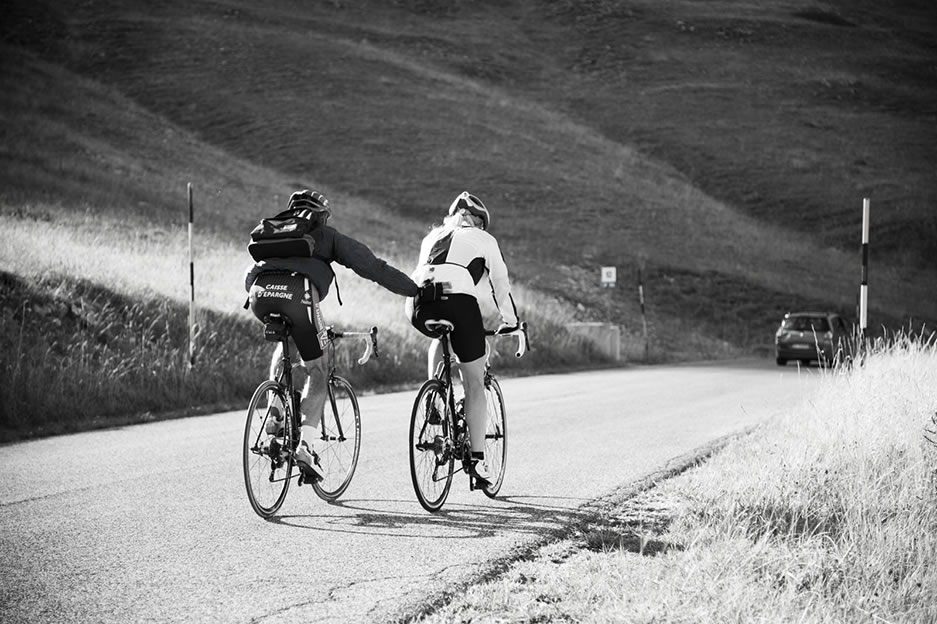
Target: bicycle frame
column 459, row 431
column 285, row 376
column 268, row 457
column 285, row 381
column 370, row 348
column 439, row 432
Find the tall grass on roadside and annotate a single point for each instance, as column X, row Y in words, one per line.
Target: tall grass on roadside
column 828, row 513
column 75, row 355
column 836, row 504
column 83, row 356
column 825, row 514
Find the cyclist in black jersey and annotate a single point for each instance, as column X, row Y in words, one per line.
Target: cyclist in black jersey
column 294, row 287
column 454, row 258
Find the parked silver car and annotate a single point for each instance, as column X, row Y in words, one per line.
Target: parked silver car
column 811, row 336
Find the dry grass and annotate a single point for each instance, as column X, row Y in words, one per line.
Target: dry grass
column 77, row 355
column 826, row 514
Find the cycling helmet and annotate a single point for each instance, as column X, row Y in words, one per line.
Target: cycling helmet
column 471, row 204
column 314, row 201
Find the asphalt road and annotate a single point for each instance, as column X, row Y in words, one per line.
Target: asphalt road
column 150, row 523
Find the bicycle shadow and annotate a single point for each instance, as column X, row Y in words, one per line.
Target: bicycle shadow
column 521, row 515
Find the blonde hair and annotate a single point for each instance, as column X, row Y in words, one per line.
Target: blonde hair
column 459, row 219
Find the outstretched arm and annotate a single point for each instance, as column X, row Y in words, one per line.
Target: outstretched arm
column 359, row 258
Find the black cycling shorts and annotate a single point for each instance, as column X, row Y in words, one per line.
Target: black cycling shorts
column 468, row 337
column 293, row 296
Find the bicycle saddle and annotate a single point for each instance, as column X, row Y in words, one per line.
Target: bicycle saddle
column 439, row 326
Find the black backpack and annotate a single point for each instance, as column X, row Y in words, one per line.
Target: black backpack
column 284, row 235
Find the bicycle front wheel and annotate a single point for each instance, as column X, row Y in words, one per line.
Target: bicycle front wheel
column 340, row 444
column 431, row 454
column 268, row 464
column 496, row 436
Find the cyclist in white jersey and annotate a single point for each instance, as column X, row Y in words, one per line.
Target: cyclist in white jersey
column 454, row 257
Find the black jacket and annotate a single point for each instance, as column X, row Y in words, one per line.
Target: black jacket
column 332, row 245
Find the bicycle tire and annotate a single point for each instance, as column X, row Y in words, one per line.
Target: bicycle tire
column 496, row 436
column 340, row 432
column 431, row 455
column 267, row 470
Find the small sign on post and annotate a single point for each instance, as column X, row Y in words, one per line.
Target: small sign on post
column 608, row 277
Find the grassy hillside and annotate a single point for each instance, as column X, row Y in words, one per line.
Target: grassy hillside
column 724, row 147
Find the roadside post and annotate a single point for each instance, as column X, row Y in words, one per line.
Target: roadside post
column 192, row 330
column 643, row 315
column 864, row 285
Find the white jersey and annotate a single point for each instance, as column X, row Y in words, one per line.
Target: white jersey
column 458, row 258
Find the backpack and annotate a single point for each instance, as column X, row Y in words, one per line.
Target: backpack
column 284, row 235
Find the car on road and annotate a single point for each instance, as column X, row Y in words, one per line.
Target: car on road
column 812, row 336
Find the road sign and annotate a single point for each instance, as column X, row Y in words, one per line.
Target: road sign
column 608, row 277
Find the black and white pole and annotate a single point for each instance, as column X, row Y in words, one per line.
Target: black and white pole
column 643, row 316
column 191, row 284
column 864, row 287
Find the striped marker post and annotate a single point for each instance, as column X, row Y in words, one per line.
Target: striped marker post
column 643, row 317
column 191, row 284
column 864, row 287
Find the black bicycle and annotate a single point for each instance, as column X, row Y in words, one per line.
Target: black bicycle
column 268, row 447
column 439, row 435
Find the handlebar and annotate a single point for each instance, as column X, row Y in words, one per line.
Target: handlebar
column 523, row 340
column 370, row 346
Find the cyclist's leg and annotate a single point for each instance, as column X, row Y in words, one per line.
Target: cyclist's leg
column 476, row 411
column 470, row 347
column 433, row 358
column 299, row 371
column 314, row 394
column 275, row 360
column 310, row 342
column 303, row 311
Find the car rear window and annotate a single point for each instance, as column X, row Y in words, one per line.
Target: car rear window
column 806, row 323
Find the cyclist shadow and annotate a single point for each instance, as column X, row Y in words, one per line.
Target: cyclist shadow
column 524, row 515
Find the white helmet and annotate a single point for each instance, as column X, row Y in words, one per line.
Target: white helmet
column 471, row 204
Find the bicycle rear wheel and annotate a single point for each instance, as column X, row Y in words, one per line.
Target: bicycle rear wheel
column 268, row 463
column 340, row 444
column 496, row 436
column 431, row 454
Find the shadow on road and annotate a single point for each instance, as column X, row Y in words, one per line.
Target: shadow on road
column 524, row 515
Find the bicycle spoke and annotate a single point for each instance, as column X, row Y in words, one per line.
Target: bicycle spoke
column 431, row 458
column 495, row 436
column 340, row 440
column 267, row 469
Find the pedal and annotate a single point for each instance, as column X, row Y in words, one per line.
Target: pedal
column 307, row 476
column 476, row 482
